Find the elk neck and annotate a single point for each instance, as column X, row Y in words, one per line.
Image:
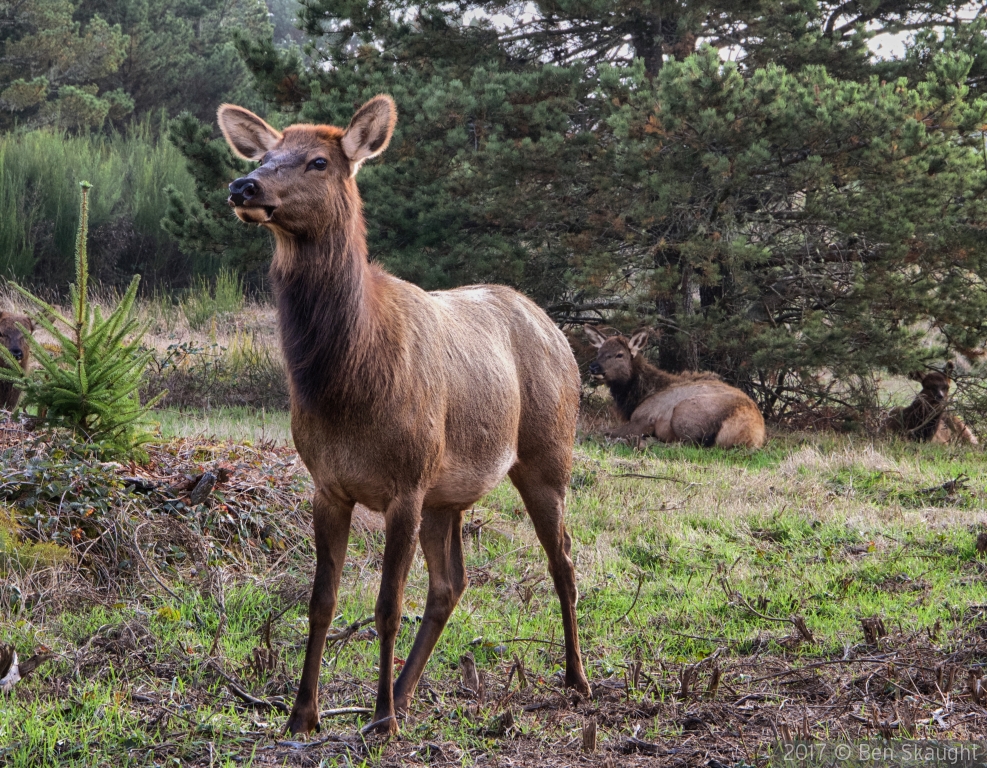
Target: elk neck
column 334, row 334
column 645, row 381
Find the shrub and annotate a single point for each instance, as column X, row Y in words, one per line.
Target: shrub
column 38, row 209
column 201, row 304
column 91, row 383
column 243, row 373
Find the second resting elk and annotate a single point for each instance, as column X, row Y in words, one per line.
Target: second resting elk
column 928, row 419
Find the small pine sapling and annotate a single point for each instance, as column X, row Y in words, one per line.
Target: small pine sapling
column 91, row 382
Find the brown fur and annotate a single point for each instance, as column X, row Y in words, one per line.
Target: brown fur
column 13, row 339
column 927, row 418
column 414, row 404
column 694, row 407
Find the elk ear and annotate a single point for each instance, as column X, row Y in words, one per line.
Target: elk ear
column 370, row 130
column 916, row 376
column 948, row 370
column 637, row 342
column 596, row 338
column 248, row 136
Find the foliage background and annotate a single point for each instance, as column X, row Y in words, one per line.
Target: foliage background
column 780, row 203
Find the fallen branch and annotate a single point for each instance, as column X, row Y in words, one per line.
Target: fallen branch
column 376, row 724
column 347, row 632
column 654, row 477
column 795, row 620
column 817, row 665
column 241, row 694
column 345, row 711
column 634, row 744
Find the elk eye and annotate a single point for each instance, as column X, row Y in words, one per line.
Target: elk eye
column 319, row 164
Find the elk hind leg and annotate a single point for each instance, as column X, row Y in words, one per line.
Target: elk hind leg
column 441, row 537
column 331, row 523
column 542, row 485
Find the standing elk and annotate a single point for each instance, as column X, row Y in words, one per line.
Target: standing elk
column 695, row 408
column 414, row 404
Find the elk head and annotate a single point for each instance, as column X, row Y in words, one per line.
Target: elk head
column 11, row 336
column 935, row 385
column 305, row 183
column 615, row 356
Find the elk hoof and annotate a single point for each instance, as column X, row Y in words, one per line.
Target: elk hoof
column 303, row 721
column 579, row 682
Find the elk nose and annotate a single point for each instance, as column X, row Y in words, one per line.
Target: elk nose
column 243, row 189
column 17, row 353
column 595, row 368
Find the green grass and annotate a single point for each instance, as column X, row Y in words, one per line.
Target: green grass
column 828, row 528
column 256, row 425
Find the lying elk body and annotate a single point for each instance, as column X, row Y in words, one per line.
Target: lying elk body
column 927, row 418
column 414, row 404
column 695, row 408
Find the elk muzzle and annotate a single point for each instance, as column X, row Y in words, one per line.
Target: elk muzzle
column 18, row 353
column 251, row 202
column 595, row 369
column 243, row 190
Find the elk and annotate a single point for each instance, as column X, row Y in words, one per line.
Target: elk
column 695, row 408
column 926, row 419
column 12, row 338
column 414, row 404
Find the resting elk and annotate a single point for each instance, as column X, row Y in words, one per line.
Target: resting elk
column 692, row 407
column 927, row 419
column 12, row 338
column 414, row 404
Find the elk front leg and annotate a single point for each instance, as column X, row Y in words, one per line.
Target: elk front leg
column 442, row 542
column 401, row 531
column 331, row 521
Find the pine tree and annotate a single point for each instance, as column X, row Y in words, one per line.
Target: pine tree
column 806, row 208
column 91, row 383
column 181, row 55
column 51, row 65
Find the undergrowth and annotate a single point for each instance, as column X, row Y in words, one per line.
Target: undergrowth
column 692, row 566
column 241, row 372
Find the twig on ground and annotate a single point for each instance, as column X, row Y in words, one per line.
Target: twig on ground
column 347, row 632
column 795, row 620
column 640, row 581
column 338, row 712
column 375, row 724
column 817, row 665
column 654, row 477
column 237, row 691
column 140, row 556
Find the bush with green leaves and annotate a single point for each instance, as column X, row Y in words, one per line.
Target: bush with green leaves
column 91, row 384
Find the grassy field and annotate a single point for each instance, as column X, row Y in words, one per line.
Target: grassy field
column 722, row 599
